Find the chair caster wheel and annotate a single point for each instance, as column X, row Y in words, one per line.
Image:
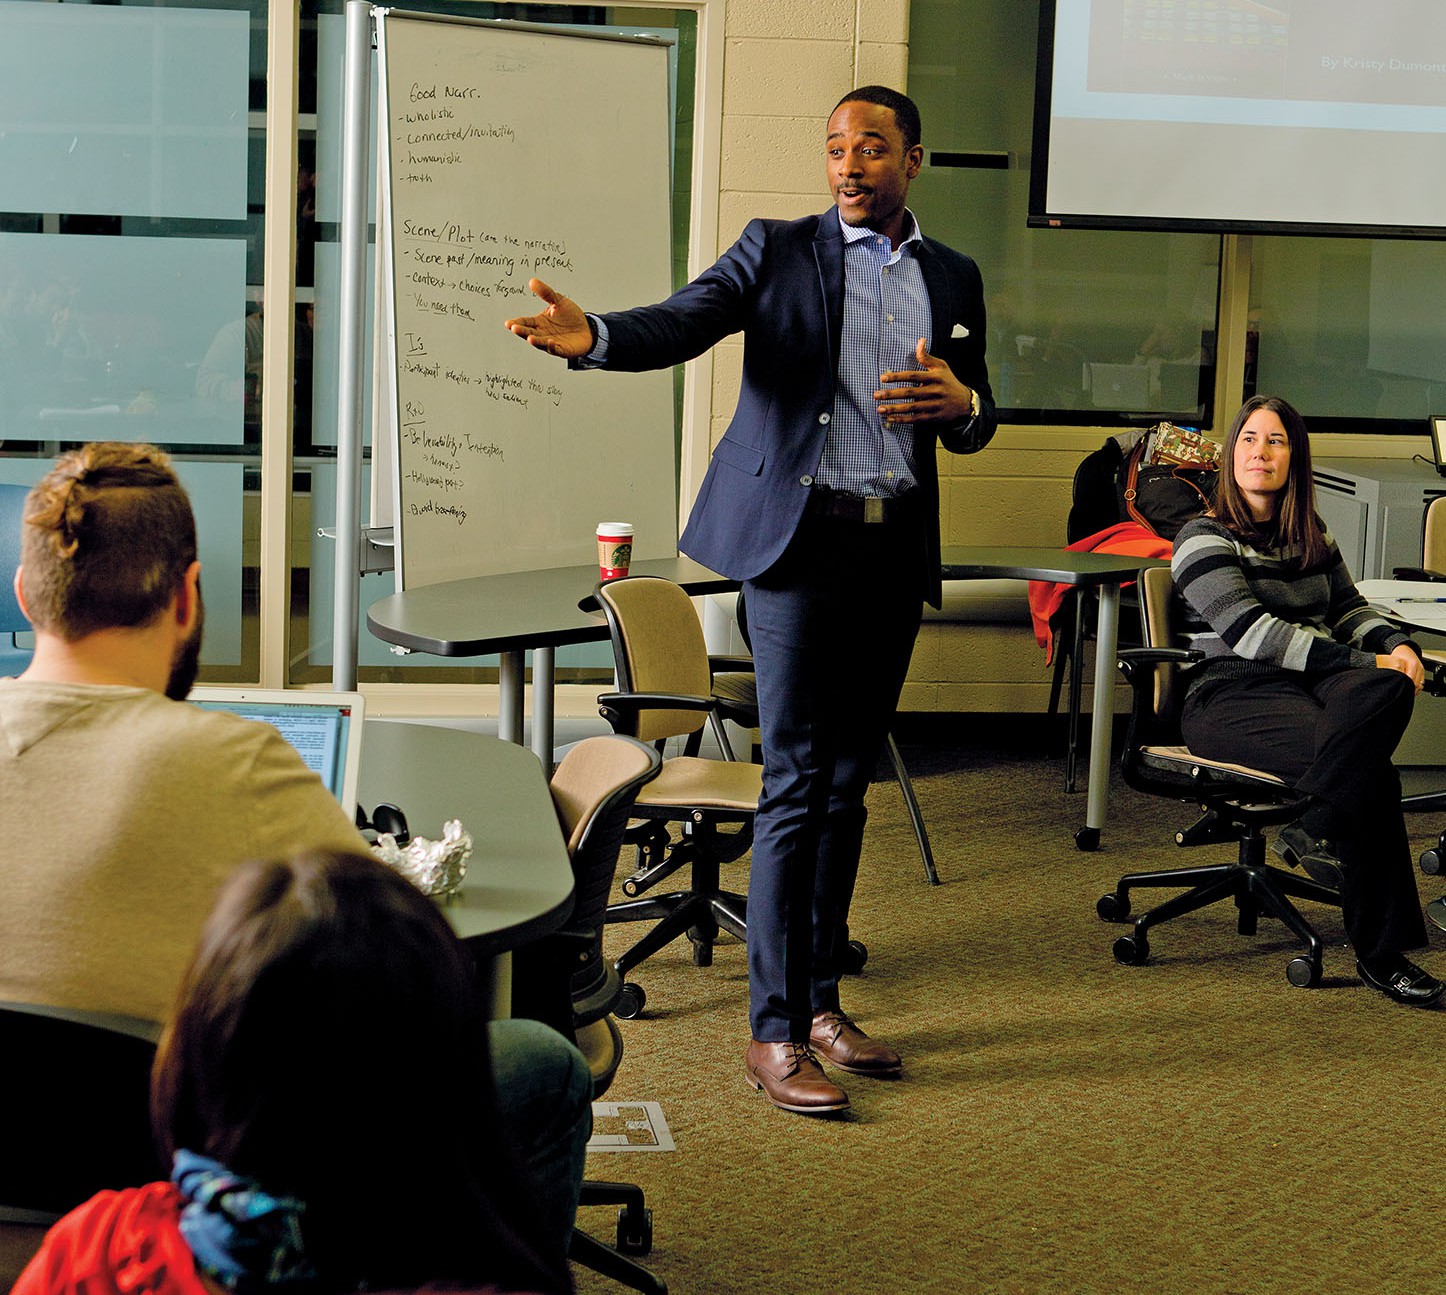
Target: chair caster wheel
column 854, row 955
column 1431, row 861
column 1113, row 907
column 631, row 1002
column 1303, row 972
column 1087, row 839
column 1131, row 950
column 635, row 1231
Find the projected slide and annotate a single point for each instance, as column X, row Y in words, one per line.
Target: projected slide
column 1215, row 47
column 1384, row 52
column 1257, row 114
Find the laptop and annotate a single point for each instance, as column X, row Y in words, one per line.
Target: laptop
column 1438, row 442
column 324, row 727
column 1120, row 386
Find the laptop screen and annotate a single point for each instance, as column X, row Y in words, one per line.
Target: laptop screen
column 325, row 728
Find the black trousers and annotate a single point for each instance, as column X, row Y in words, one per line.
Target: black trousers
column 832, row 626
column 1331, row 737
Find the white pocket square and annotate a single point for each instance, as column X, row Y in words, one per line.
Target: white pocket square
column 959, row 331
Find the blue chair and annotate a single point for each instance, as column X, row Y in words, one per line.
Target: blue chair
column 13, row 657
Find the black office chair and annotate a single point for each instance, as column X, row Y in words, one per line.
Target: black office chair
column 76, row 1118
column 665, row 693
column 1239, row 803
column 736, row 690
column 593, row 790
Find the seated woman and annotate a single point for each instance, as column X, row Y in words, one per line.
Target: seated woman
column 324, row 1088
column 1304, row 680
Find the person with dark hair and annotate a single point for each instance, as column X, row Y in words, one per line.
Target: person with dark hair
column 1302, row 678
column 323, row 1090
column 136, row 806
column 102, row 906
column 863, row 351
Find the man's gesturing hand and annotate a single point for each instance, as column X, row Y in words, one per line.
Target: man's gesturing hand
column 933, row 395
column 562, row 329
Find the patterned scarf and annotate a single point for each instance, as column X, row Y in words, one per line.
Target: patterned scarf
column 246, row 1239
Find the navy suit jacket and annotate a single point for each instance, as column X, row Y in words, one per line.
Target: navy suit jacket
column 782, row 285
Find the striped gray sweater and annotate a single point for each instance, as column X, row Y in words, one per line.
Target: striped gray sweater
column 1252, row 612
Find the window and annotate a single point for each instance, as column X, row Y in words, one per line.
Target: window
column 1085, row 327
column 130, row 252
column 1350, row 330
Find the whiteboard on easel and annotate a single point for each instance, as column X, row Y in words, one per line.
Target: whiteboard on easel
column 511, row 152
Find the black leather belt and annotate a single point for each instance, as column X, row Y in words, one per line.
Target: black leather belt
column 871, row 511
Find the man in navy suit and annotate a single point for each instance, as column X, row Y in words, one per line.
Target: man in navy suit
column 863, row 348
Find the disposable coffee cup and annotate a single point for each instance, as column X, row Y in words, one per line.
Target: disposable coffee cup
column 614, row 549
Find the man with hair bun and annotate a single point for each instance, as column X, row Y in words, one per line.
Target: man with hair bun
column 128, row 809
column 133, row 808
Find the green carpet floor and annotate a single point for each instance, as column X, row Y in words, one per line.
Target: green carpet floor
column 1064, row 1123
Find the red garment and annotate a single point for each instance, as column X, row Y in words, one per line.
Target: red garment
column 129, row 1243
column 1045, row 599
column 117, row 1243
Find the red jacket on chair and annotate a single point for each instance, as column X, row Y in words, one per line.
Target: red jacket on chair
column 1045, row 599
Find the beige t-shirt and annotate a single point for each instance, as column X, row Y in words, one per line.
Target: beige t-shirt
column 122, row 812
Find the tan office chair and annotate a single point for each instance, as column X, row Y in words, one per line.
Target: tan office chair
column 1433, row 546
column 593, row 790
column 665, row 693
column 1239, row 803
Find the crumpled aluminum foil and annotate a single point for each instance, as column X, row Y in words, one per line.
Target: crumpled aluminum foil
column 434, row 867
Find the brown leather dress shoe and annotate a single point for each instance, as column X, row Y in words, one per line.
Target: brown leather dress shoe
column 841, row 1043
column 792, row 1079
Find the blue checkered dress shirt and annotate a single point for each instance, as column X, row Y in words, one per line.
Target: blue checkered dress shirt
column 886, row 312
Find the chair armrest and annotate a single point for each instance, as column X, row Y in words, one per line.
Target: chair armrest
column 1419, row 573
column 1435, row 663
column 1138, row 664
column 719, row 664
column 1134, row 658
column 636, row 701
column 622, row 709
column 113, row 1022
column 1139, row 668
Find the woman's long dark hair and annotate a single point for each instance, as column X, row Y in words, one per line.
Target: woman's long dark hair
column 1297, row 524
column 328, row 1041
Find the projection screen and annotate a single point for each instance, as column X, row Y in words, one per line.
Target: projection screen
column 1293, row 116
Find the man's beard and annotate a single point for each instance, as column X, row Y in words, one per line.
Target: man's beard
column 187, row 663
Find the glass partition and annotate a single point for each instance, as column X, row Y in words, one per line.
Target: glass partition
column 1350, row 330
column 1084, row 327
column 130, row 250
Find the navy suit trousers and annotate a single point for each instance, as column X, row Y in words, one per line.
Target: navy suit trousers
column 832, row 625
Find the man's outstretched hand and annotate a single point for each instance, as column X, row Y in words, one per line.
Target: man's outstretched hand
column 562, row 329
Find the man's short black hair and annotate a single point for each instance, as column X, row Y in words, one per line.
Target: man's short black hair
column 906, row 112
